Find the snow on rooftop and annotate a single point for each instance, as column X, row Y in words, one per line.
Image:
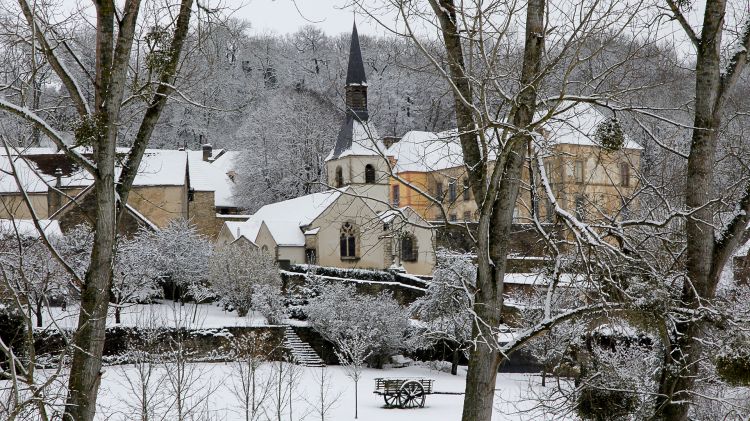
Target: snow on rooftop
column 159, row 167
column 26, row 228
column 213, row 176
column 576, row 124
column 357, row 139
column 284, row 219
column 427, row 151
column 421, row 151
column 29, row 179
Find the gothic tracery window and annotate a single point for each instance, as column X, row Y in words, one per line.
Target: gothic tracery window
column 348, row 241
column 409, row 251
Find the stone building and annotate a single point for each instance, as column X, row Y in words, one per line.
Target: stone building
column 587, row 179
column 170, row 184
column 351, row 225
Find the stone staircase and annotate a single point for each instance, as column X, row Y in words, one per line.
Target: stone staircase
column 302, row 352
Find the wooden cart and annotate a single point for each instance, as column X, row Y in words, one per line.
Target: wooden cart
column 403, row 393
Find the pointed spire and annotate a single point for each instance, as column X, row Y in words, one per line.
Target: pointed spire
column 355, row 74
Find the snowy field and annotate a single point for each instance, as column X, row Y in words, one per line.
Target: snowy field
column 161, row 314
column 214, row 398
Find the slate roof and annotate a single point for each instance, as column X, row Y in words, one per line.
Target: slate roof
column 357, row 138
column 355, row 72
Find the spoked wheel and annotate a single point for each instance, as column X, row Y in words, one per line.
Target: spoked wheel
column 390, row 400
column 411, row 395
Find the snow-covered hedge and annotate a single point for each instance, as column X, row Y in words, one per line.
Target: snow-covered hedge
column 361, row 274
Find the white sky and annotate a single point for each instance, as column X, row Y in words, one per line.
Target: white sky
column 281, row 16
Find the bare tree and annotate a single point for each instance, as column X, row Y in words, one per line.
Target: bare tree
column 708, row 248
column 250, row 384
column 98, row 101
column 325, row 400
column 238, row 272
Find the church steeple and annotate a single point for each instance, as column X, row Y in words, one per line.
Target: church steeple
column 356, row 81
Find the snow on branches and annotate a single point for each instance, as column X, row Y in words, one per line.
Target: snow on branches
column 244, row 277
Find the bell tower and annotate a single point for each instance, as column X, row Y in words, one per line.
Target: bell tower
column 356, row 81
column 358, row 159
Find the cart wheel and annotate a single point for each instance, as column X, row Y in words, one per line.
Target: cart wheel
column 390, row 400
column 411, row 395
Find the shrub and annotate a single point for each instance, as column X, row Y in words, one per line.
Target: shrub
column 595, row 403
column 610, row 135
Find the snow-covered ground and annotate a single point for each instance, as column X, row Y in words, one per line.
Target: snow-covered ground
column 214, row 384
column 161, row 314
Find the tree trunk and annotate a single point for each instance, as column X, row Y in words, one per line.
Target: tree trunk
column 85, row 373
column 39, row 315
column 456, row 359
column 682, row 356
column 118, row 311
column 495, row 229
column 356, row 401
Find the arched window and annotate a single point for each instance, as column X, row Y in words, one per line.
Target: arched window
column 409, row 251
column 369, row 174
column 339, row 177
column 348, row 241
column 264, row 249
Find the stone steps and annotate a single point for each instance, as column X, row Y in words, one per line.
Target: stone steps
column 302, row 353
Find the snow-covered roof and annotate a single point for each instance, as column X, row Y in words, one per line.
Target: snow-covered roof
column 427, row 151
column 25, row 170
column 27, row 229
column 357, row 138
column 213, row 176
column 285, row 219
column 576, row 124
column 36, row 168
column 421, row 151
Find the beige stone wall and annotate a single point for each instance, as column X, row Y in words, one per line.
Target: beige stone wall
column 265, row 240
column 160, row 204
column 14, row 206
column 370, row 245
column 353, row 170
column 425, row 237
column 601, row 191
column 224, row 237
column 202, row 213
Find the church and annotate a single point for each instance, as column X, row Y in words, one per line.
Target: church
column 352, row 225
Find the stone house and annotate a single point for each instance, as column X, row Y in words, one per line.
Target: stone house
column 170, row 184
column 351, row 225
column 587, row 179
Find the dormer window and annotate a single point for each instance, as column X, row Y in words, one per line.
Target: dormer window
column 369, row 174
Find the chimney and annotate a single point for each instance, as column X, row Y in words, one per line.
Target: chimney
column 207, row 152
column 54, row 196
column 389, row 141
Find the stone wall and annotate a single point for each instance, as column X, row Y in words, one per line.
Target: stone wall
column 201, row 344
column 202, row 213
column 404, row 294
